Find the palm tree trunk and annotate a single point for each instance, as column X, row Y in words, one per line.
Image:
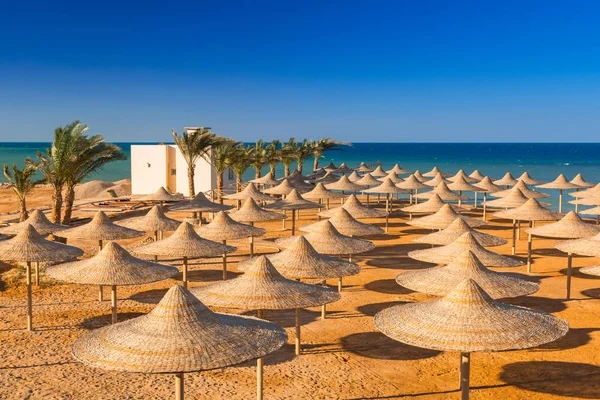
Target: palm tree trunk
column 316, row 162
column 24, row 214
column 300, row 162
column 238, row 182
column 220, row 187
column 257, row 173
column 286, row 169
column 272, row 170
column 191, row 182
column 69, row 199
column 56, row 204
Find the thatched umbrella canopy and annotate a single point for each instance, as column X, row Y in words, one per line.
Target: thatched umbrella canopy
column 250, row 192
column 398, row 170
column 460, row 185
column 530, row 194
column 388, row 188
column 591, row 192
column 113, row 266
column 587, row 246
column 180, row 335
column 299, row 181
column 515, row 198
column 487, row 186
column 344, row 185
column 443, row 218
column 39, row 221
column 344, row 169
column 354, row 176
column 155, row 221
column 185, row 243
column 412, row 184
column 363, row 168
column 356, row 209
column 468, row 320
column 462, row 176
column 224, row 228
column 528, row 180
column 160, row 196
column 432, row 205
column 571, row 226
column 29, row 246
column 283, row 189
column 478, row 176
column 587, row 201
column 439, row 281
column 592, row 211
column 436, row 180
column 321, row 193
column 580, row 181
column 345, row 224
column 507, row 180
column 330, row 167
column 467, row 241
column 379, row 172
column 267, row 179
column 251, row 212
column 329, row 177
column 391, row 176
column 367, row 180
column 420, row 176
column 455, row 230
column 445, row 194
column 434, row 172
column 294, row 202
column 261, row 287
column 561, row 183
column 317, row 174
column 328, row 240
column 200, row 204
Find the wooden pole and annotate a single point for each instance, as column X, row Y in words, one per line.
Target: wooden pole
column 224, row 263
column 297, row 331
column 179, row 386
column 156, row 240
column 340, row 284
column 283, row 220
column 529, row 245
column 460, row 198
column 251, row 242
column 416, row 196
column 37, row 273
column 514, row 237
column 100, row 294
column 293, row 222
column 113, row 303
column 465, row 372
column 560, row 194
column 519, row 230
column 259, row 368
column 484, row 205
column 29, row 299
column 569, row 268
column 185, row 272
column 475, row 196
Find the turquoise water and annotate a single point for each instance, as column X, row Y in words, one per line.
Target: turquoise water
column 544, row 161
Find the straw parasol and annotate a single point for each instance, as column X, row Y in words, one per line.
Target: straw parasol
column 528, row 180
column 302, row 261
column 299, row 181
column 267, row 179
column 39, row 221
column 250, row 213
column 413, row 184
column 250, row 192
column 354, row 176
column 100, row 228
column 224, row 228
column 530, row 194
column 468, row 320
column 444, row 192
column 455, row 230
column 367, row 181
column 439, row 281
column 321, row 193
column 587, row 201
column 571, row 226
column 294, row 202
column 432, row 205
column 460, row 184
column 363, row 168
column 200, row 204
column 330, row 167
column 486, row 186
column 561, row 183
column 593, row 211
column 588, row 246
column 317, row 173
column 355, row 208
column 419, row 176
column 160, row 196
column 398, row 170
column 515, row 198
column 29, row 246
column 346, row 225
column 462, row 175
column 283, row 189
column 507, row 180
column 328, row 240
column 478, row 176
column 467, row 241
column 580, row 181
column 594, row 191
column 329, row 177
column 185, row 243
column 180, row 335
column 434, row 172
column 388, row 188
column 436, row 180
column 391, row 176
column 344, row 184
column 443, row 218
column 379, row 172
column 113, row 266
column 531, row 211
column 344, row 169
column 261, row 287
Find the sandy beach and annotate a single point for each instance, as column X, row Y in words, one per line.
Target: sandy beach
column 343, row 357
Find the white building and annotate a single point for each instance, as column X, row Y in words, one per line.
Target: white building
column 156, row 165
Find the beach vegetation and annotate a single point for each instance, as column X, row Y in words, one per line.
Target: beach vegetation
column 22, row 183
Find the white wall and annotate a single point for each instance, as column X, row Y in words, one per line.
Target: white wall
column 148, row 168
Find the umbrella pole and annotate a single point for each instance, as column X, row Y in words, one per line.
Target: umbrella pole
column 367, row 199
column 529, row 245
column 200, row 218
column 569, row 268
column 460, row 198
column 475, row 203
column 224, row 263
column 297, row 331
column 29, row 300
column 293, row 222
column 340, row 285
column 327, row 207
column 259, row 368
column 37, row 273
column 185, row 271
column 560, row 193
column 465, row 372
column 283, row 220
column 519, row 230
column 251, row 242
column 113, row 303
column 514, row 236
column 100, row 294
column 484, row 205
column 416, row 196
column 179, row 386
column 155, row 239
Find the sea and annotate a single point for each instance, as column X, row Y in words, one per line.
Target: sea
column 544, row 161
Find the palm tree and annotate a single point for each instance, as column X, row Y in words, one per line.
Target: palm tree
column 322, row 145
column 22, row 184
column 89, row 155
column 257, row 157
column 288, row 154
column 304, row 150
column 239, row 162
column 272, row 156
column 221, row 157
column 55, row 163
column 195, row 144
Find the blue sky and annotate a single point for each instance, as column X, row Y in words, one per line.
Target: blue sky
column 357, row 71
